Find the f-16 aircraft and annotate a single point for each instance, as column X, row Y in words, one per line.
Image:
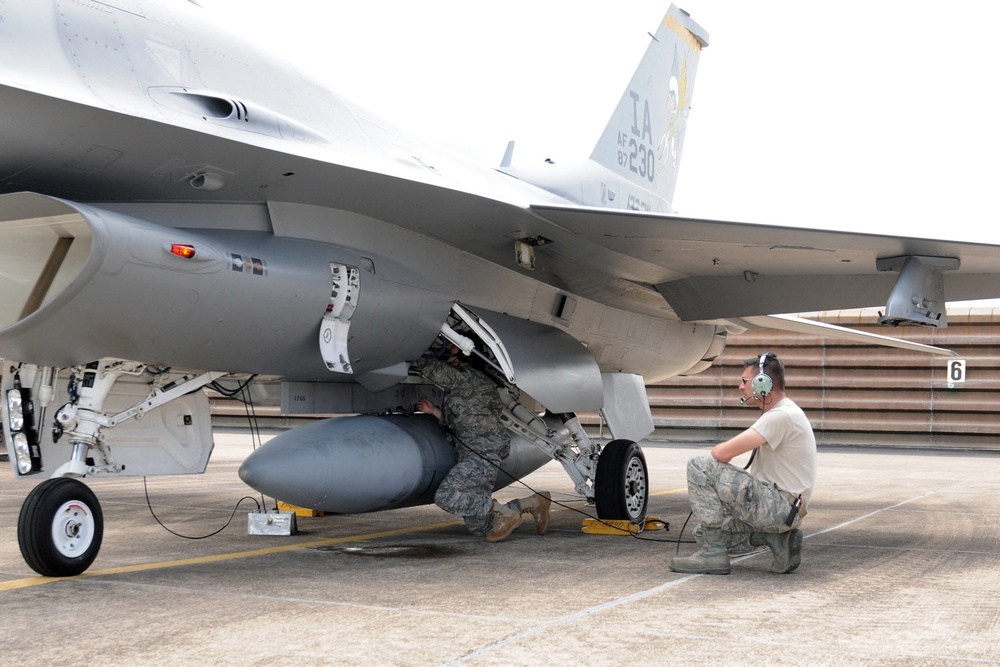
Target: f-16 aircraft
column 179, row 210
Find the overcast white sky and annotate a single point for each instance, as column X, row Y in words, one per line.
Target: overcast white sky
column 869, row 116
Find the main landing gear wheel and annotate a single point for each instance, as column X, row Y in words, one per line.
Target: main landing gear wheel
column 621, row 486
column 60, row 527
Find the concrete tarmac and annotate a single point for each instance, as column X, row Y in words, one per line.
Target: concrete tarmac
column 900, row 566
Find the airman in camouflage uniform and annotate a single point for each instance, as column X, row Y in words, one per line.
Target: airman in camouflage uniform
column 471, row 412
column 739, row 509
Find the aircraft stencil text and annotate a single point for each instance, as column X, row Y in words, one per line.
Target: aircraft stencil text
column 636, row 146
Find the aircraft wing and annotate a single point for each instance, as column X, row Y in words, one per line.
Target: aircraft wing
column 726, row 269
column 663, row 265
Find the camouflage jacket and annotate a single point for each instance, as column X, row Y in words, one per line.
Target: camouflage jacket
column 472, row 405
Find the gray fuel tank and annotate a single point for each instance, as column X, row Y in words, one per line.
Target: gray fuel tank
column 367, row 463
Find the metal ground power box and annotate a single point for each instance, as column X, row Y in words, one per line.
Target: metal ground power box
column 271, row 523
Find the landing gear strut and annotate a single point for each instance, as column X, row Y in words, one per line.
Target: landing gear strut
column 60, row 527
column 615, row 478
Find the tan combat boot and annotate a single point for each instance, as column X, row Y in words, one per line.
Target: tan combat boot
column 538, row 505
column 505, row 520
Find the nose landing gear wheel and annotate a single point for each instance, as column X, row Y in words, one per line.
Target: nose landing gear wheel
column 60, row 528
column 621, row 485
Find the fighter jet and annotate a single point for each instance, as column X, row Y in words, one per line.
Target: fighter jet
column 180, row 210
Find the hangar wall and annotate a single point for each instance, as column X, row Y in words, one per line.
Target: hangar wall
column 854, row 394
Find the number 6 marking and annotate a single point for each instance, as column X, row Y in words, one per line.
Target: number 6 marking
column 956, row 371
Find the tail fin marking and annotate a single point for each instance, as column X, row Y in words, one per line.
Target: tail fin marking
column 642, row 142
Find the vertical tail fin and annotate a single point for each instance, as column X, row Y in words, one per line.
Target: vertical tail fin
column 643, row 140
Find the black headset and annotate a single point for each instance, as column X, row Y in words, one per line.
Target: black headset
column 762, row 383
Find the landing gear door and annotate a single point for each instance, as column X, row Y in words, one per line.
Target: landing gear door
column 626, row 407
column 546, row 363
column 175, row 438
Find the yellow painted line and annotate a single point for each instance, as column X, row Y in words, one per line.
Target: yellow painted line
column 668, row 492
column 143, row 567
column 15, row 584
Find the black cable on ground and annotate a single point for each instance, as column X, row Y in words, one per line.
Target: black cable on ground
column 149, row 504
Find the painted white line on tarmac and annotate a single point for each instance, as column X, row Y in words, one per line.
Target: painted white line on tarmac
column 670, row 584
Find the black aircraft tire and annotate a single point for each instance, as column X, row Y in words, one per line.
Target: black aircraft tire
column 621, row 486
column 60, row 528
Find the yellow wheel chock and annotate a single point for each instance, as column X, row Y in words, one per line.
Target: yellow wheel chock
column 622, row 526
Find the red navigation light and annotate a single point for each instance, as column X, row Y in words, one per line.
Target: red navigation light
column 182, row 250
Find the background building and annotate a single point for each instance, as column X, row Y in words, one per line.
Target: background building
column 854, row 394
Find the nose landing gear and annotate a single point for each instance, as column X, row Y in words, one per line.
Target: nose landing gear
column 60, row 527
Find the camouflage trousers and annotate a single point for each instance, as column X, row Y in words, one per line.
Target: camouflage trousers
column 724, row 496
column 467, row 489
